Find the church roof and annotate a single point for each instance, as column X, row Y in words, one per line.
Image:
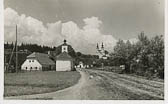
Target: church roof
column 64, row 56
column 42, row 58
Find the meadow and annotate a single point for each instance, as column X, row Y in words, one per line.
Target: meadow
column 28, row 83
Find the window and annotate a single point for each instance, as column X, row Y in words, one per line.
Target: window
column 35, row 67
column 64, row 48
column 30, row 67
column 26, row 67
column 32, row 60
column 29, row 60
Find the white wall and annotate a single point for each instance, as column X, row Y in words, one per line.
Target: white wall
column 63, row 65
column 31, row 64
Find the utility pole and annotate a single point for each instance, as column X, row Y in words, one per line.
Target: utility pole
column 16, row 52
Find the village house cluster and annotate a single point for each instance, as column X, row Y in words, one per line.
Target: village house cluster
column 62, row 62
column 41, row 61
column 49, row 61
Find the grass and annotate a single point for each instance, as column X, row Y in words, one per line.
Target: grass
column 38, row 82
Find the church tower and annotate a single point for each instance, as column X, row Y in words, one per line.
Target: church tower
column 101, row 51
column 97, row 47
column 64, row 62
column 65, row 47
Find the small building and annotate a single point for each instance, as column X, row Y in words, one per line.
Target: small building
column 64, row 62
column 38, row 61
column 81, row 65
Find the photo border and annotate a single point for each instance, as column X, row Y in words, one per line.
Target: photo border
column 2, row 101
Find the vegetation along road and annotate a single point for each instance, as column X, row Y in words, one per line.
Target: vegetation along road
column 94, row 85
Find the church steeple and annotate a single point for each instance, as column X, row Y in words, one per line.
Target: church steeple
column 97, row 47
column 65, row 41
column 65, row 47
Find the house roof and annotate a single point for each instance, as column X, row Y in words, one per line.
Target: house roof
column 64, row 56
column 42, row 58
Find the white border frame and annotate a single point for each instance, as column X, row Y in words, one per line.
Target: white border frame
column 2, row 101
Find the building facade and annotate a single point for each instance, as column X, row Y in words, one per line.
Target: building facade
column 38, row 61
column 64, row 62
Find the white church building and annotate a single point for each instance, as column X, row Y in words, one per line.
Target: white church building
column 64, row 62
column 101, row 52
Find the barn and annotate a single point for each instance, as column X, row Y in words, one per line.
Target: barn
column 64, row 62
column 38, row 61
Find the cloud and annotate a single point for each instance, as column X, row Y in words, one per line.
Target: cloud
column 31, row 30
column 92, row 23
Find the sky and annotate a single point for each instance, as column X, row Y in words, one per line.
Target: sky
column 84, row 23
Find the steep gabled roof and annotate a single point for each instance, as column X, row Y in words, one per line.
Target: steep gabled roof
column 64, row 56
column 42, row 58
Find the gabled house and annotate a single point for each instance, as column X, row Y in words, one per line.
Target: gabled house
column 38, row 61
column 64, row 62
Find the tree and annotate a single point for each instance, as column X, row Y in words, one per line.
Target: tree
column 122, row 54
column 144, row 51
column 145, row 57
column 157, row 55
column 78, row 54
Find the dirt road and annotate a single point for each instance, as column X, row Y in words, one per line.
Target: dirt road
column 99, row 85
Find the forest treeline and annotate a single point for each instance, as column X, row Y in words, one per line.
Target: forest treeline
column 30, row 47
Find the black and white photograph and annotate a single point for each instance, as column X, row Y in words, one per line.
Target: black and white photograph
column 84, row 50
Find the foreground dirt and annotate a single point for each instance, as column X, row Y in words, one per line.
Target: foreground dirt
column 99, row 85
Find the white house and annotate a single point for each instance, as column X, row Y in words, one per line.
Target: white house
column 81, row 65
column 64, row 62
column 38, row 61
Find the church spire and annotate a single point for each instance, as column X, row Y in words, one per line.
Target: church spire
column 64, row 41
column 97, row 47
column 65, row 47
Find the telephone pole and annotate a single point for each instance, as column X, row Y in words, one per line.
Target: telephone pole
column 16, row 52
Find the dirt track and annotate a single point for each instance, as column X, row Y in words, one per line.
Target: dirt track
column 99, row 85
